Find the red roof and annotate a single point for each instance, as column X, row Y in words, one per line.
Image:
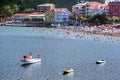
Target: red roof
column 28, row 14
column 22, row 14
column 95, row 5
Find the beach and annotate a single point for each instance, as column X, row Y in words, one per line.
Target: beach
column 112, row 32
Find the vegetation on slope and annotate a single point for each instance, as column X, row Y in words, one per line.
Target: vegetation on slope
column 30, row 5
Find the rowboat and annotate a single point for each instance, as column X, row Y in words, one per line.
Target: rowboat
column 67, row 70
column 100, row 61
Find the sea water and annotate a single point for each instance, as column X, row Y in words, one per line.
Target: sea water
column 57, row 51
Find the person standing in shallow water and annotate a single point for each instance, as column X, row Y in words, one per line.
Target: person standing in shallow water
column 38, row 55
column 30, row 54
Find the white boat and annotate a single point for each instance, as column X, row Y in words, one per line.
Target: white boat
column 67, row 70
column 100, row 61
column 30, row 60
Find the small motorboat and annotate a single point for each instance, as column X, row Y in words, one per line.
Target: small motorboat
column 29, row 60
column 100, row 61
column 67, row 70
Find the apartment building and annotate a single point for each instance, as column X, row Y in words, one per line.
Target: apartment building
column 62, row 15
column 114, row 8
column 89, row 8
column 45, row 7
column 81, row 9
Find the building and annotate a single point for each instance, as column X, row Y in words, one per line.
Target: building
column 94, row 7
column 29, row 19
column 114, row 8
column 45, row 7
column 82, row 9
column 103, row 8
column 85, row 8
column 62, row 15
column 33, row 16
column 107, row 1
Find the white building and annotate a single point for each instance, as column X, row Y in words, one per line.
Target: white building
column 23, row 16
column 89, row 8
column 62, row 15
column 103, row 8
column 81, row 9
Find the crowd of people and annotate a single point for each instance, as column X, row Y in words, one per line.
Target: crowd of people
column 109, row 30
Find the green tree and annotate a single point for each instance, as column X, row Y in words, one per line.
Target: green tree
column 109, row 19
column 6, row 11
column 103, row 18
column 115, row 19
column 99, row 19
column 95, row 19
column 29, row 10
column 72, row 17
column 15, row 8
column 50, row 17
column 83, row 19
column 28, row 19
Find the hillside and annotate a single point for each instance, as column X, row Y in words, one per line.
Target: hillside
column 33, row 3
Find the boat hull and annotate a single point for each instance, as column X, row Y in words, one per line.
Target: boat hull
column 100, row 62
column 30, row 61
column 66, row 71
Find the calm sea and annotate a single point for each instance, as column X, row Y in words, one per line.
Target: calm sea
column 58, row 50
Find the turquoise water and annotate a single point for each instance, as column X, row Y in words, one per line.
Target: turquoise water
column 57, row 51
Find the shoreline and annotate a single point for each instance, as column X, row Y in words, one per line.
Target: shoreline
column 80, row 30
column 90, row 32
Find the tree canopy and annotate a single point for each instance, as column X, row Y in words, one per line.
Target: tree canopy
column 28, row 4
column 8, row 10
column 50, row 16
